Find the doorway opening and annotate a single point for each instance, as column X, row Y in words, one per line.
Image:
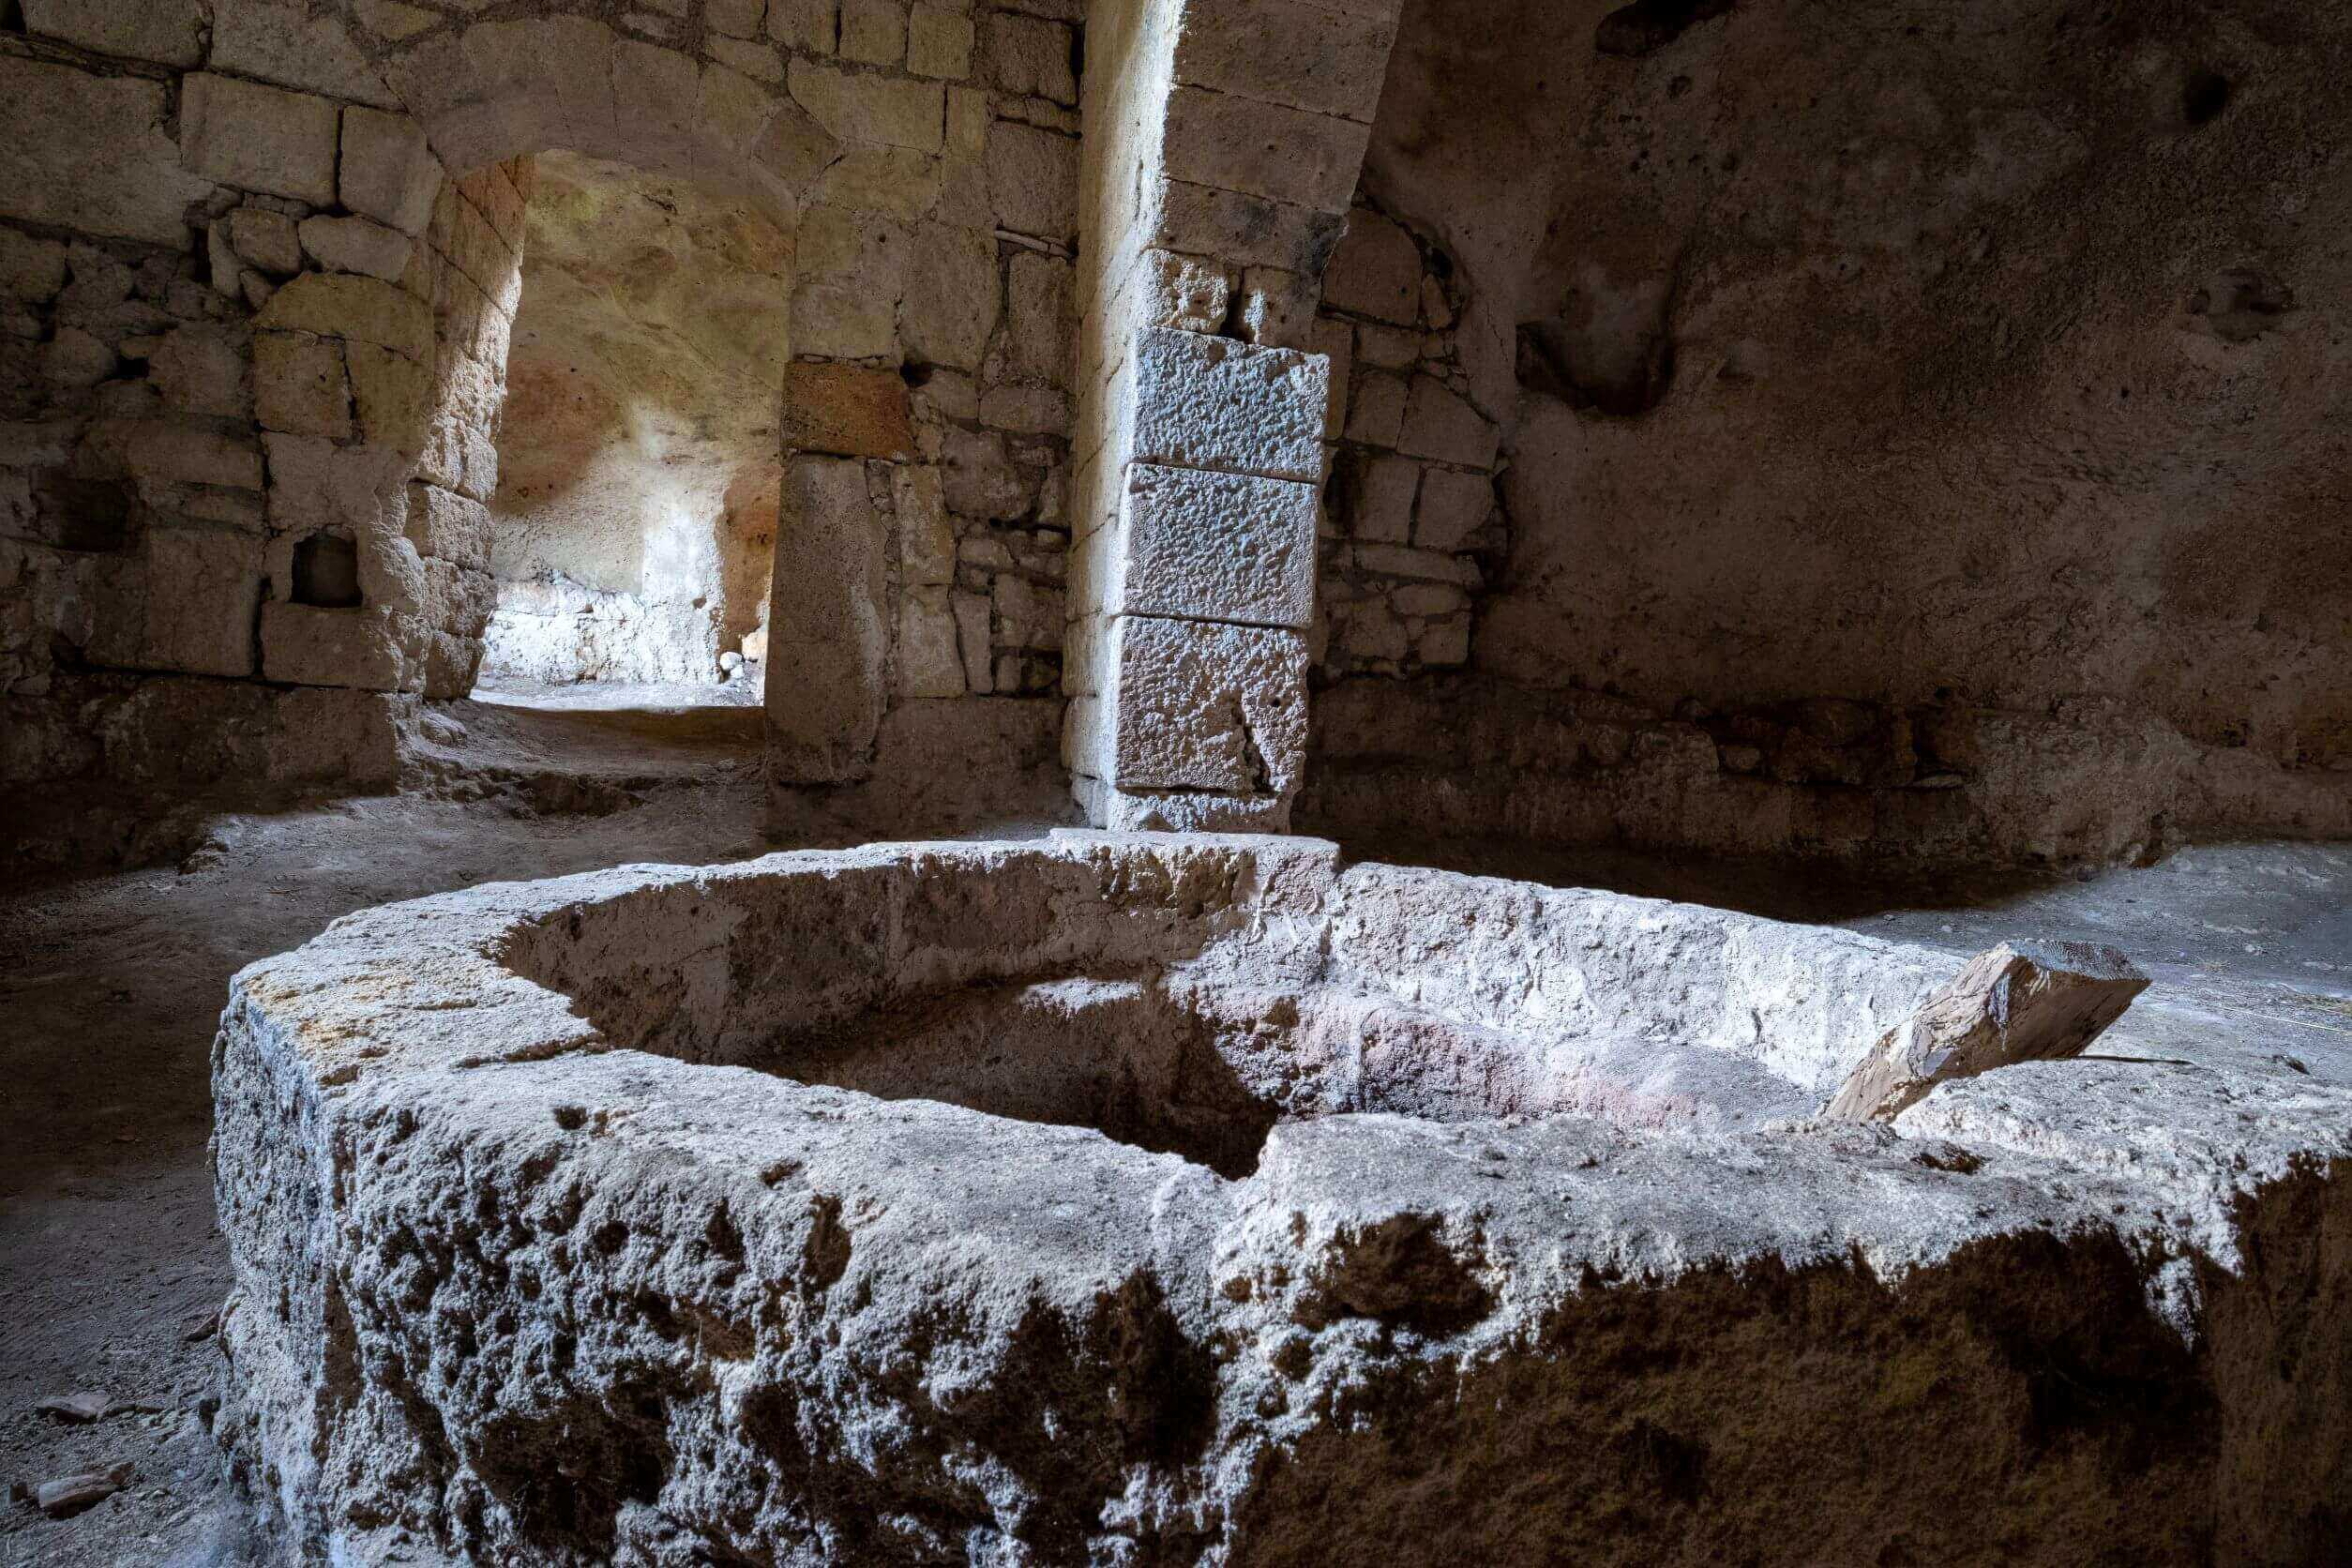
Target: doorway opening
column 634, row 522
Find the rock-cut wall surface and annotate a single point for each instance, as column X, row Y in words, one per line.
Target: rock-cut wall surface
column 1924, row 427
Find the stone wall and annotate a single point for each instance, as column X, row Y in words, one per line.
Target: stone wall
column 1919, row 442
column 257, row 343
column 924, row 527
column 241, row 299
column 1415, row 532
column 1225, row 138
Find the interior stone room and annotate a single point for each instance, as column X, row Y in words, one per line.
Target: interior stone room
column 1147, row 782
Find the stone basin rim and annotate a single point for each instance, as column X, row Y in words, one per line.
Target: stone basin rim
column 364, row 1023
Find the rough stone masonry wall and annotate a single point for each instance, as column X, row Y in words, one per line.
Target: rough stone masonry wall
column 923, row 531
column 1414, row 531
column 1223, row 142
column 233, row 367
column 242, row 303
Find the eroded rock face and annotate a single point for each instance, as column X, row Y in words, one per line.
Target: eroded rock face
column 1848, row 356
column 1159, row 1199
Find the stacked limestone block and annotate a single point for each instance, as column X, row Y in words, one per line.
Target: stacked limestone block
column 1413, row 524
column 221, row 268
column 1224, row 139
column 924, row 534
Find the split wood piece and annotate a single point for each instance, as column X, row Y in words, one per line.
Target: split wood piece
column 69, row 1494
column 2029, row 1001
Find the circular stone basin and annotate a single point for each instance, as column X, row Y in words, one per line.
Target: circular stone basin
column 1156, row 1199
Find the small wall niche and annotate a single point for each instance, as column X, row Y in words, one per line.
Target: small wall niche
column 327, row 572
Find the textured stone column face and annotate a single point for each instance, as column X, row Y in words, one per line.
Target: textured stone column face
column 1201, row 427
column 826, row 639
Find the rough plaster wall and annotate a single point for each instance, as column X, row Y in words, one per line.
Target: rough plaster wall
column 1941, row 362
column 636, row 512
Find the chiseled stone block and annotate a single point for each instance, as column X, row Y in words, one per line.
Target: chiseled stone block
column 1188, row 704
column 299, row 386
column 939, row 43
column 1214, row 547
column 1440, row 423
column 168, row 32
column 807, row 25
column 827, row 636
column 345, row 305
column 259, row 138
column 1454, row 505
column 304, row 644
column 294, row 44
column 849, row 410
column 888, row 111
column 357, row 245
column 1032, row 180
column 1213, row 403
column 444, row 525
column 116, row 174
column 1263, row 149
column 204, row 587
column 1302, row 55
column 874, row 31
column 1375, row 271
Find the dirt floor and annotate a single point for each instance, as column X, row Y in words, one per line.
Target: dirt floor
column 110, row 1268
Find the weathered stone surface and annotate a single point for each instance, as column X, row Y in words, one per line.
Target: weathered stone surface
column 874, row 31
column 1037, row 319
column 448, row 527
column 117, row 175
column 939, row 43
column 287, row 42
column 387, row 172
column 1263, row 149
column 1190, row 705
column 340, row 305
column 205, row 585
column 1119, row 1137
column 1454, row 505
column 299, row 384
column 1440, row 423
column 204, row 369
column 1029, row 56
column 1217, row 547
column 242, row 133
column 357, row 245
column 167, row 32
column 950, row 304
column 176, row 452
column 1323, row 59
column 826, row 638
column 858, row 106
column 306, row 645
column 1213, row 402
column 848, row 278
column 1376, row 271
column 2018, row 1002
column 930, row 663
column 270, row 241
column 1376, row 497
column 807, row 25
column 857, row 410
column 1032, row 180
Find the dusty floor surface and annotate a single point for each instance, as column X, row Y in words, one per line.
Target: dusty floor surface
column 109, row 1263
